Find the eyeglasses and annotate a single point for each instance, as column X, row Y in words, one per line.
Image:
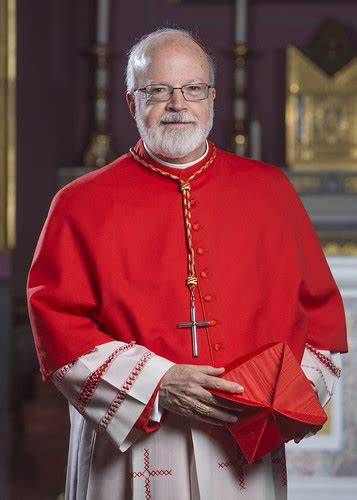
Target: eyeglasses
column 162, row 93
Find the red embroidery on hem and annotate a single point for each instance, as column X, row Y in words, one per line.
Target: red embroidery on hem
column 122, row 392
column 62, row 372
column 147, row 473
column 90, row 384
column 241, row 466
column 325, row 360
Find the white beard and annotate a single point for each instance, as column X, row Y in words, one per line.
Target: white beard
column 174, row 142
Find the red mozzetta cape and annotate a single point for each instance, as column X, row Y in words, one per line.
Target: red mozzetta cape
column 111, row 263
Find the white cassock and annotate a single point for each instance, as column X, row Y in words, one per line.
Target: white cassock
column 110, row 459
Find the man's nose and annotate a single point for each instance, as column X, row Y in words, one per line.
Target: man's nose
column 177, row 101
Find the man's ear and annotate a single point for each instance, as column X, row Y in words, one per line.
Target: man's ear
column 131, row 103
column 213, row 93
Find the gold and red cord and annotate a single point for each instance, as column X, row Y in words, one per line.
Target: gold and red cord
column 185, row 188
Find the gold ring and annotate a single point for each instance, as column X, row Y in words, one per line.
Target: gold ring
column 202, row 409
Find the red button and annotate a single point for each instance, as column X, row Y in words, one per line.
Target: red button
column 217, row 347
column 208, row 297
column 200, row 251
column 193, row 202
column 203, row 274
column 196, row 226
column 213, row 322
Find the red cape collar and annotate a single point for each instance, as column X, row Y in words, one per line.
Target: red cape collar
column 182, row 173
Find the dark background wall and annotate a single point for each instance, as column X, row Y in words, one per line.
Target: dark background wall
column 55, row 82
column 54, row 119
column 53, row 98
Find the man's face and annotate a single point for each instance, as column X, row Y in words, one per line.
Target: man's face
column 175, row 128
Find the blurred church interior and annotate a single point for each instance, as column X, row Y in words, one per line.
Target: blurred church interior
column 286, row 94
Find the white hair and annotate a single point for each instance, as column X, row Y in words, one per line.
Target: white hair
column 136, row 55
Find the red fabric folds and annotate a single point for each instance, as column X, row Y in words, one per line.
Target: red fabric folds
column 278, row 401
column 111, row 264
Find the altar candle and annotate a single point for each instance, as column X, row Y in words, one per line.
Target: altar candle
column 103, row 22
column 241, row 21
column 255, row 140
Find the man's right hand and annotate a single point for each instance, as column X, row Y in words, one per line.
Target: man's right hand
column 184, row 390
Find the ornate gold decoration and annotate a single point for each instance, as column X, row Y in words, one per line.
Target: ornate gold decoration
column 99, row 151
column 339, row 248
column 350, row 185
column 306, row 183
column 7, row 123
column 321, row 118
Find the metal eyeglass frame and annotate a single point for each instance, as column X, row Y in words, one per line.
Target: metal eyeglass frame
column 144, row 89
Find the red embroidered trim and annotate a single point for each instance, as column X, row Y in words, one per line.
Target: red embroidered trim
column 90, row 384
column 319, row 371
column 118, row 400
column 59, row 375
column 278, row 459
column 147, row 473
column 324, row 360
column 241, row 466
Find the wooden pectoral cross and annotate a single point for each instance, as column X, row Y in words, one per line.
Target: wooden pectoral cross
column 193, row 324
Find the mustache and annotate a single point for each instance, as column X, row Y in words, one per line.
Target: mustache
column 177, row 117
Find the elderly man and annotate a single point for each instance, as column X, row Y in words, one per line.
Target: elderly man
column 153, row 273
